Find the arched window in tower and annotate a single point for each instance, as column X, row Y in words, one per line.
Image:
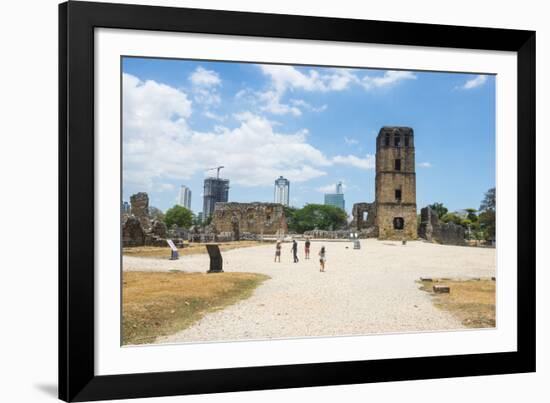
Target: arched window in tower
column 406, row 141
column 398, row 223
column 387, row 139
column 398, row 195
column 398, row 164
column 397, row 140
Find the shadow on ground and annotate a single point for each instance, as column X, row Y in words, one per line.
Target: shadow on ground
column 49, row 389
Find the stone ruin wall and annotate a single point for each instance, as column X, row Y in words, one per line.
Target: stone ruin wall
column 249, row 218
column 324, row 234
column 139, row 203
column 365, row 228
column 432, row 230
column 138, row 229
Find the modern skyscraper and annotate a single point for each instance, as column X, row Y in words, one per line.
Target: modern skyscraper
column 215, row 190
column 282, row 191
column 336, row 199
column 184, row 198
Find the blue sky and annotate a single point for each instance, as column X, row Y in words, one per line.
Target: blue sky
column 314, row 125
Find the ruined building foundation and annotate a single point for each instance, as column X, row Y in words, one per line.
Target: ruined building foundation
column 253, row 218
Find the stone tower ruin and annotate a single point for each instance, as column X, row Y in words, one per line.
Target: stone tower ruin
column 395, row 184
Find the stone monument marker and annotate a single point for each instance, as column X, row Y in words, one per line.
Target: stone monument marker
column 216, row 261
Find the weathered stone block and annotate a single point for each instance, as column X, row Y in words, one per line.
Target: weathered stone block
column 216, row 260
column 132, row 232
column 441, row 289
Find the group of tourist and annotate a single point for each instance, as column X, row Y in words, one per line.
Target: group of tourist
column 294, row 249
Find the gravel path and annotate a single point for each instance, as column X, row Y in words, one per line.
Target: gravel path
column 371, row 290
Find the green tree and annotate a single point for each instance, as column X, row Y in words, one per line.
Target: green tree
column 178, row 215
column 289, row 215
column 472, row 216
column 489, row 201
column 439, row 208
column 487, row 216
column 452, row 217
column 487, row 224
column 318, row 216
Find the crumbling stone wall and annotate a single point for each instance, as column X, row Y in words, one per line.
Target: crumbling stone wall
column 159, row 229
column 432, row 230
column 138, row 229
column 132, row 232
column 359, row 209
column 140, row 209
column 254, row 218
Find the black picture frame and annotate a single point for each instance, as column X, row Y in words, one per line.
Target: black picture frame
column 77, row 21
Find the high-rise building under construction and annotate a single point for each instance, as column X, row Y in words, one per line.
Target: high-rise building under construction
column 215, row 190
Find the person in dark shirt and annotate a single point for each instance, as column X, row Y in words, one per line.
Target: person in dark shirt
column 295, row 251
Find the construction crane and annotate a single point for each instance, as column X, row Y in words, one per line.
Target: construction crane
column 218, row 169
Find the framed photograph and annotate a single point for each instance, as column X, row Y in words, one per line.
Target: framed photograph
column 257, row 201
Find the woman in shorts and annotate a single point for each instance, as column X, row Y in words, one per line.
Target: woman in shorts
column 322, row 258
column 278, row 252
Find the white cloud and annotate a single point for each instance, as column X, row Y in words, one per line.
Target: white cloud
column 152, row 107
column 272, row 104
column 204, row 88
column 159, row 145
column 288, row 78
column 389, row 78
column 425, row 165
column 303, row 104
column 165, row 187
column 215, row 116
column 206, row 96
column 351, row 160
column 205, row 78
column 475, row 82
column 350, row 141
column 284, row 79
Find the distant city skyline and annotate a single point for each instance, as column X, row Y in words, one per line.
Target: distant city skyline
column 314, row 126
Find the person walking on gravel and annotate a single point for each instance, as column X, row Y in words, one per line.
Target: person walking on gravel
column 322, row 258
column 308, row 244
column 278, row 252
column 295, row 251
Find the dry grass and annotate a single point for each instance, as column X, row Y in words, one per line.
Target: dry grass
column 471, row 301
column 157, row 252
column 159, row 304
